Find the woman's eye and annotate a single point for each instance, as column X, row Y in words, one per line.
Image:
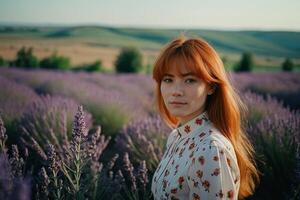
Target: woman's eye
column 167, row 80
column 190, row 80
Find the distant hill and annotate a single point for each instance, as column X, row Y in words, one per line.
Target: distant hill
column 268, row 43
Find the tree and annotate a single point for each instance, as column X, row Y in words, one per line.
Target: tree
column 129, row 60
column 246, row 62
column 2, row 61
column 287, row 65
column 25, row 58
column 55, row 62
column 94, row 67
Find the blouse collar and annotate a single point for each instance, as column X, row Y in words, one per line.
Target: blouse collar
column 192, row 125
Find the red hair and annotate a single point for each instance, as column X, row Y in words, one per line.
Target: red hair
column 223, row 107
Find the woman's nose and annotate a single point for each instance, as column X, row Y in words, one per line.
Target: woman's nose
column 177, row 91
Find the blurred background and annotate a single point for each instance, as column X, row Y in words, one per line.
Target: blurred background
column 56, row 56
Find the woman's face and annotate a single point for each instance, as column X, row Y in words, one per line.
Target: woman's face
column 184, row 94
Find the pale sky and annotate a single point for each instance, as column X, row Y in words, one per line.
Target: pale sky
column 200, row 14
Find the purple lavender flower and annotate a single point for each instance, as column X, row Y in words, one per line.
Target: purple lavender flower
column 16, row 162
column 43, row 186
column 142, row 176
column 97, row 145
column 283, row 86
column 128, row 172
column 52, row 159
column 144, row 139
column 3, row 136
column 14, row 99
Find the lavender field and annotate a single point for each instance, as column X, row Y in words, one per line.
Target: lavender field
column 67, row 135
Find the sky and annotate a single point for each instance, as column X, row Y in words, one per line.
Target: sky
column 198, row 14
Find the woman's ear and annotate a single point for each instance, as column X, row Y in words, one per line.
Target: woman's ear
column 211, row 89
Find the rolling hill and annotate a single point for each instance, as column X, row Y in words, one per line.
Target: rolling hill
column 267, row 43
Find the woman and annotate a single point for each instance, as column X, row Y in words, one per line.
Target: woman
column 208, row 156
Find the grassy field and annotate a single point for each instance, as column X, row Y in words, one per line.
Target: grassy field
column 88, row 44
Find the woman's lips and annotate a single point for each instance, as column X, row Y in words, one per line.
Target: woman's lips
column 177, row 103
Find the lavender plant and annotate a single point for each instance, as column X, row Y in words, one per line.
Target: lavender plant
column 14, row 98
column 74, row 174
column 126, row 181
column 103, row 96
column 260, row 107
column 283, row 86
column 13, row 182
column 144, row 139
column 49, row 120
column 275, row 132
column 3, row 136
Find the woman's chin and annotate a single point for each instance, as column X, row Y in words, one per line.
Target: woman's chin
column 178, row 114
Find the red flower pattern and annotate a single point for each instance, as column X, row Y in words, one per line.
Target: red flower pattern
column 202, row 134
column 187, row 129
column 220, row 194
column 201, row 159
column 230, row 194
column 198, row 121
column 192, row 145
column 180, row 181
column 181, row 152
column 216, row 158
column 174, row 191
column 199, row 174
column 196, row 196
column 216, row 172
column 206, row 185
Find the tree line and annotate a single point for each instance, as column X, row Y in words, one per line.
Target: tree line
column 129, row 60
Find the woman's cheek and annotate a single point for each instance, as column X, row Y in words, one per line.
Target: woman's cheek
column 163, row 91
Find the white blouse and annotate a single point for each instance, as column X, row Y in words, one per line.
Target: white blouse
column 199, row 163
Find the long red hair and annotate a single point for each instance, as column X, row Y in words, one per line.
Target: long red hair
column 224, row 107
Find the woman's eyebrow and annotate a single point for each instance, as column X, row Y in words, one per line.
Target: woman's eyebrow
column 183, row 75
column 169, row 75
column 188, row 74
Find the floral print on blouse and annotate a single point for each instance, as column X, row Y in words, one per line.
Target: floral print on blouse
column 199, row 163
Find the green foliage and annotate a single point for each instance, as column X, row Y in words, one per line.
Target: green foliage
column 25, row 58
column 287, row 65
column 148, row 69
column 129, row 60
column 224, row 60
column 111, row 117
column 93, row 67
column 2, row 61
column 55, row 62
column 246, row 63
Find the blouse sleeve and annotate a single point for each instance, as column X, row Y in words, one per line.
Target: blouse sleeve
column 213, row 175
